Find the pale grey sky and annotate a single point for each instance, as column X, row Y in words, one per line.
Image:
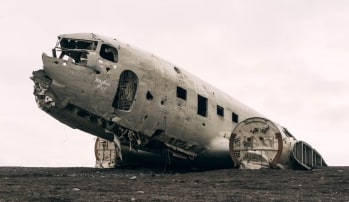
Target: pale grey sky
column 286, row 59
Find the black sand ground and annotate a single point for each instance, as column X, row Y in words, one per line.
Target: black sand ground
column 89, row 184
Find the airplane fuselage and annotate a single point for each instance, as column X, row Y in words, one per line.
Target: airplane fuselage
column 124, row 95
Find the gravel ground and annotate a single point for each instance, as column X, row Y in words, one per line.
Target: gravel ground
column 91, row 184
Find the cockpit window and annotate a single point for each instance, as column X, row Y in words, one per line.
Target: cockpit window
column 109, row 53
column 76, row 49
column 78, row 44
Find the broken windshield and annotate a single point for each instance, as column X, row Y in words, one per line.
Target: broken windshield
column 76, row 49
column 77, row 44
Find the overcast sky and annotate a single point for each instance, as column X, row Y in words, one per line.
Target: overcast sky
column 288, row 60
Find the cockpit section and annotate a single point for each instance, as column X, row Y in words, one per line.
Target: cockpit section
column 95, row 54
column 82, row 70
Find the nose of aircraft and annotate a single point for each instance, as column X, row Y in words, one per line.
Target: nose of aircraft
column 83, row 86
column 68, row 92
column 65, row 73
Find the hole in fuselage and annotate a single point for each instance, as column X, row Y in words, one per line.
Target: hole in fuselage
column 177, row 70
column 149, row 96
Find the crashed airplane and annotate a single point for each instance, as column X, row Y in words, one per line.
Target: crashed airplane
column 147, row 111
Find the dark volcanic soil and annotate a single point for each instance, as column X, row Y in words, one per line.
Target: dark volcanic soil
column 89, row 184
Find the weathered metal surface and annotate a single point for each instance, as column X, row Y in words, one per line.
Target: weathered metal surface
column 116, row 92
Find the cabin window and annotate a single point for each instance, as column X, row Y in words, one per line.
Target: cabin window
column 220, row 110
column 181, row 93
column 109, row 53
column 202, row 106
column 235, row 118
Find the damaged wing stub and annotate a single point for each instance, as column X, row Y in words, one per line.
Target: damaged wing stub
column 259, row 143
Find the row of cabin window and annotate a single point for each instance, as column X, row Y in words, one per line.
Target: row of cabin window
column 202, row 105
